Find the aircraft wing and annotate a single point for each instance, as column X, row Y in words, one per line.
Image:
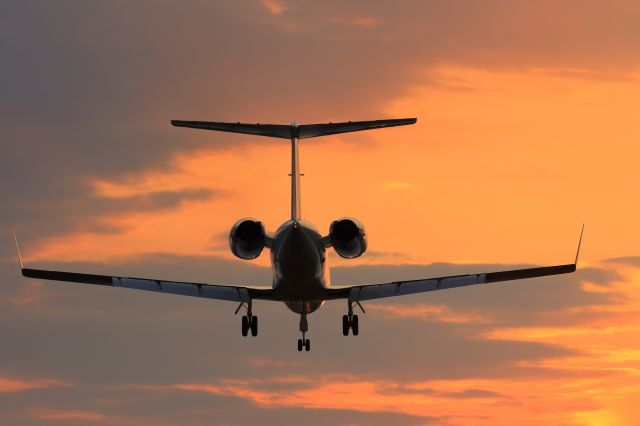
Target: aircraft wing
column 208, row 291
column 399, row 288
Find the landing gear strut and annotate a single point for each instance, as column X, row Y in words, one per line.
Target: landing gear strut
column 304, row 327
column 249, row 321
column 350, row 321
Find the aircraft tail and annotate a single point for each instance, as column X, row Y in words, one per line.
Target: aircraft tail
column 294, row 132
column 303, row 131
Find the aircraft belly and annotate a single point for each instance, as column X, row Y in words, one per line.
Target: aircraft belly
column 298, row 261
column 304, row 307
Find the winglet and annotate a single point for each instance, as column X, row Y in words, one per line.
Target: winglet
column 579, row 244
column 18, row 249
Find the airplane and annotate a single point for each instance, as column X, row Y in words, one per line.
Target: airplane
column 298, row 251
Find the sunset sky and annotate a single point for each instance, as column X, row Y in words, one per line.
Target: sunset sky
column 528, row 126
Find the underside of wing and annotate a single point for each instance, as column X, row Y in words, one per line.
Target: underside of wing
column 208, row 291
column 400, row 288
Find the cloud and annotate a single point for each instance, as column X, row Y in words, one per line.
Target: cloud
column 19, row 385
column 432, row 358
column 274, row 7
column 69, row 415
column 263, row 362
column 625, row 260
column 156, row 200
column 358, row 22
column 426, row 312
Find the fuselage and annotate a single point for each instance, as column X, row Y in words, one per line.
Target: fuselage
column 299, row 264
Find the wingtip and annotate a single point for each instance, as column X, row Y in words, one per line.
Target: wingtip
column 579, row 244
column 15, row 239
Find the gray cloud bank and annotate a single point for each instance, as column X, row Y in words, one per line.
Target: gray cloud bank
column 104, row 340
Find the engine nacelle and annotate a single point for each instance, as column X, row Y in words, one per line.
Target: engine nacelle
column 348, row 238
column 247, row 238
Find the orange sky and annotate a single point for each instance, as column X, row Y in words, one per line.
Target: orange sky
column 503, row 166
column 528, row 126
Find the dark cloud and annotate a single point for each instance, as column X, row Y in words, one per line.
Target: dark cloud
column 472, row 393
column 103, row 338
column 160, row 200
column 373, row 254
column 78, row 326
column 87, row 211
column 121, row 405
column 625, row 260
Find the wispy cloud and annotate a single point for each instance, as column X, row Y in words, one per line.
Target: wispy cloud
column 20, row 385
column 436, row 313
column 271, row 363
column 441, row 398
column 275, row 7
column 358, row 22
column 69, row 415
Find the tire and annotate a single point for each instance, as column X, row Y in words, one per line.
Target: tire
column 299, row 345
column 254, row 326
column 307, row 345
column 245, row 325
column 354, row 325
column 345, row 325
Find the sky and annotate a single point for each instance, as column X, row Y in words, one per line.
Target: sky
column 527, row 128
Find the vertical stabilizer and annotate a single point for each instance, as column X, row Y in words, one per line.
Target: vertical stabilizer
column 294, row 132
column 295, row 173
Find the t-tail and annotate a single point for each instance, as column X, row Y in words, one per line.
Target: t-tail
column 294, row 132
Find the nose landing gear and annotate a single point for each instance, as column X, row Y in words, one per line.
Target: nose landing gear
column 304, row 327
column 350, row 321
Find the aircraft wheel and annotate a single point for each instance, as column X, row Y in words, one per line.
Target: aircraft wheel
column 254, row 326
column 307, row 345
column 345, row 325
column 354, row 325
column 245, row 325
column 299, row 345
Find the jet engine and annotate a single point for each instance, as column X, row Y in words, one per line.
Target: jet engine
column 348, row 238
column 247, row 238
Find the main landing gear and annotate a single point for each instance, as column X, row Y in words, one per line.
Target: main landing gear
column 304, row 327
column 249, row 321
column 350, row 321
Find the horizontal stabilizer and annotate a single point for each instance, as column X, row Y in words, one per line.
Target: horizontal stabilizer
column 293, row 131
column 272, row 130
column 313, row 130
